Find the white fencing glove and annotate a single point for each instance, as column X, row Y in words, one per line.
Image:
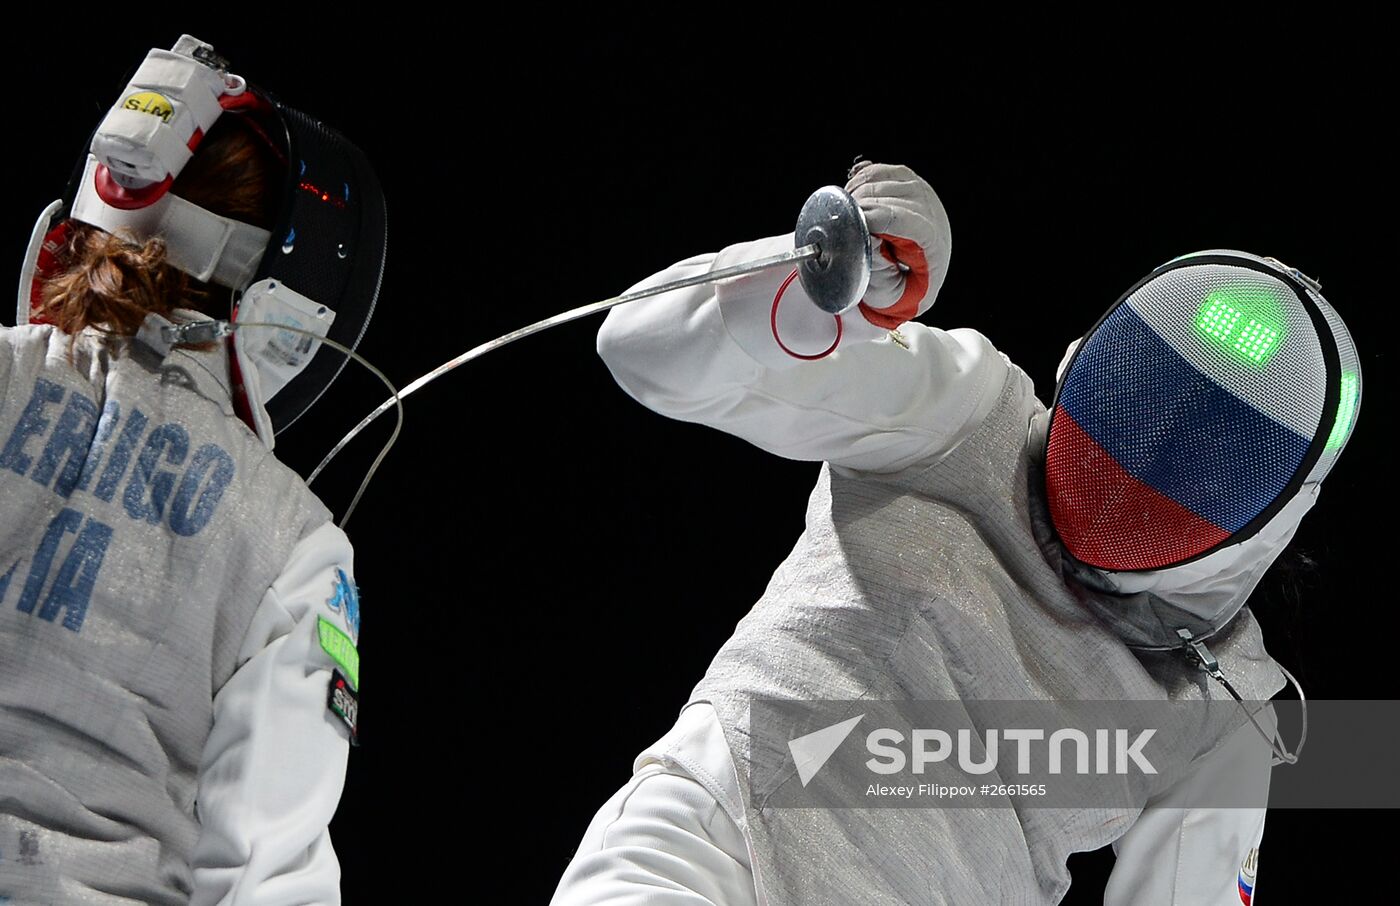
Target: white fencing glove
column 913, row 237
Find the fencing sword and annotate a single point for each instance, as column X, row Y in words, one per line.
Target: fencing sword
column 832, row 256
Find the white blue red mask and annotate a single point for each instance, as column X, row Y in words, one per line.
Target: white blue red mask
column 1197, row 418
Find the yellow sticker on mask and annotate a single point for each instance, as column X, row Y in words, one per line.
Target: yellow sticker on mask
column 149, row 102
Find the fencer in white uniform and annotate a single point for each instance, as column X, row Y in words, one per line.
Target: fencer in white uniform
column 164, row 733
column 884, row 398
column 178, row 613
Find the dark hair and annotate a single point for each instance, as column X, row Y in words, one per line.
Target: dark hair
column 111, row 283
column 1282, row 597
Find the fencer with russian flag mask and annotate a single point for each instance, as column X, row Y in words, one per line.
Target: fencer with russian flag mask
column 966, row 542
column 178, row 613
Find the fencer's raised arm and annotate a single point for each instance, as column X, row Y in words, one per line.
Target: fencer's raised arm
column 890, row 392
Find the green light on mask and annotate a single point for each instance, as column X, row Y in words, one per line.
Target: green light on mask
column 1346, row 412
column 1244, row 321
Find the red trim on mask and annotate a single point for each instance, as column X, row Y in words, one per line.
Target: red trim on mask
column 125, row 199
column 250, row 102
column 244, row 102
column 46, row 266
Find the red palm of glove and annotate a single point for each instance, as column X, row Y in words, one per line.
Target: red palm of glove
column 907, row 218
column 908, row 256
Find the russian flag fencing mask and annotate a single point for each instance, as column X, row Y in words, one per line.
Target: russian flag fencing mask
column 1209, row 396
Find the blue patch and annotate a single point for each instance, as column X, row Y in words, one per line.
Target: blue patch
column 347, row 594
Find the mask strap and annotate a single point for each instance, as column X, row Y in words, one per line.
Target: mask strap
column 1197, row 652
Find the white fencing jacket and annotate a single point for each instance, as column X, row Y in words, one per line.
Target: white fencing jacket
column 942, row 416
column 165, row 588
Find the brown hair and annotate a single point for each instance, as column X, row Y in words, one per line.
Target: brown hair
column 111, row 283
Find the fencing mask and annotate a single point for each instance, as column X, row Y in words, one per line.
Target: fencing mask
column 318, row 269
column 1191, row 429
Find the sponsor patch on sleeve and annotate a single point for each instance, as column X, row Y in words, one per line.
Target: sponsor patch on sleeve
column 345, row 600
column 337, row 644
column 345, row 704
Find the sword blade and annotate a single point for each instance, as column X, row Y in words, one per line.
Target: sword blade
column 799, row 254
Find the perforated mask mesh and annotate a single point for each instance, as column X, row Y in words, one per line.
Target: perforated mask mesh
column 1196, row 407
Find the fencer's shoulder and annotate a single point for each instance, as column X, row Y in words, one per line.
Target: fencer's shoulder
column 315, row 584
column 325, row 544
column 20, row 333
column 14, row 341
column 275, row 475
column 1239, row 648
column 30, row 341
column 325, row 557
column 696, row 747
column 30, row 351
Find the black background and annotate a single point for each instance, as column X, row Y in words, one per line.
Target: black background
column 546, row 567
